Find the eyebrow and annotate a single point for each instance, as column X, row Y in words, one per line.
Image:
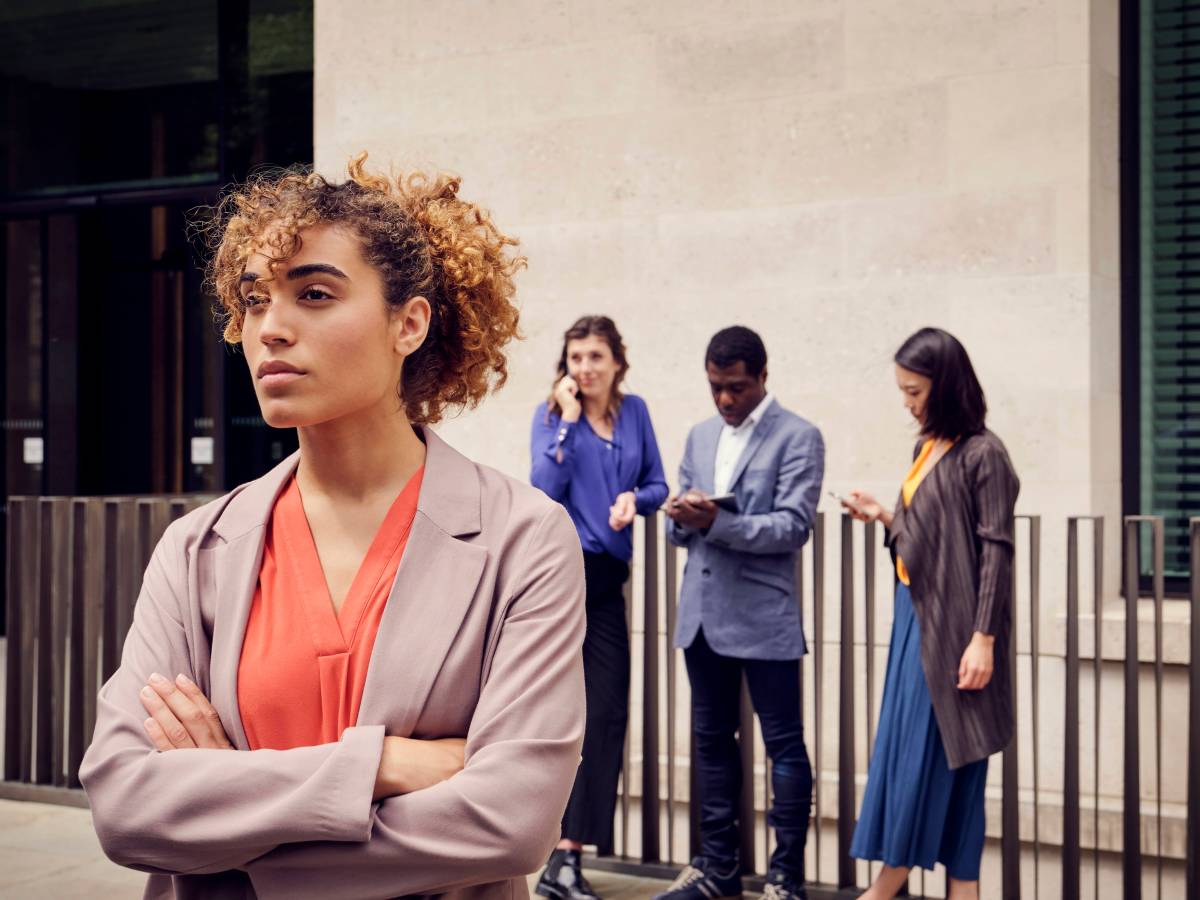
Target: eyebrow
column 300, row 272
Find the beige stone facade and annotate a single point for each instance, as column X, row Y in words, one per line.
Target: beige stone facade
column 833, row 173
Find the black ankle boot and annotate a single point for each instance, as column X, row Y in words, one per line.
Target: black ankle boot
column 562, row 879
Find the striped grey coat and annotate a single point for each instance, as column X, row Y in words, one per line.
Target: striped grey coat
column 956, row 539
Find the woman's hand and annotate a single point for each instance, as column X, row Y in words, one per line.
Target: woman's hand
column 621, row 513
column 865, row 508
column 409, row 765
column 181, row 716
column 975, row 669
column 566, row 393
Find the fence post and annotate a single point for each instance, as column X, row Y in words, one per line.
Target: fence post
column 669, row 602
column 1192, row 850
column 1070, row 844
column 845, row 876
column 650, row 843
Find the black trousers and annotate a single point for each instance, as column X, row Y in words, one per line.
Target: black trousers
column 589, row 815
column 716, row 701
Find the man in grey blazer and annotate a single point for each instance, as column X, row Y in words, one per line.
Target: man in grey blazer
column 739, row 611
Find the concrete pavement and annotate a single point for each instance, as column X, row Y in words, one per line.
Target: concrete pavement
column 51, row 853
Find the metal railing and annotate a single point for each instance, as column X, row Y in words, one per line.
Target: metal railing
column 1024, row 866
column 75, row 565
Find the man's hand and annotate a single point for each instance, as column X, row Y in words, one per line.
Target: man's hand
column 409, row 765
column 622, row 512
column 975, row 669
column 181, row 716
column 692, row 510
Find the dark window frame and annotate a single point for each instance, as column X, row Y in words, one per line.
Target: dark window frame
column 1130, row 87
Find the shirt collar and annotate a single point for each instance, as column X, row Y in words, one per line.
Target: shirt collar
column 753, row 419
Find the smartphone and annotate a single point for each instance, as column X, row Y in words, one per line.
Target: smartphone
column 844, row 500
column 727, row 502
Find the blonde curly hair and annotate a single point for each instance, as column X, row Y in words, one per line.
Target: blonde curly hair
column 421, row 238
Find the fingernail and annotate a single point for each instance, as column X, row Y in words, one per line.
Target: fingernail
column 147, row 724
column 184, row 680
column 155, row 678
column 148, row 693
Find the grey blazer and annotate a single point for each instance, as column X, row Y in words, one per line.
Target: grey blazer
column 739, row 583
column 481, row 638
column 956, row 539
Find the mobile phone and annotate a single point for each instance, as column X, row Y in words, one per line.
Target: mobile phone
column 727, row 502
column 844, row 500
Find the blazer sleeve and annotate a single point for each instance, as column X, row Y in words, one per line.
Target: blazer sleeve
column 797, row 491
column 652, row 481
column 500, row 816
column 994, row 487
column 199, row 811
column 681, row 535
column 552, row 448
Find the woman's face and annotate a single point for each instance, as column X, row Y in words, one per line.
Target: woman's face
column 915, row 390
column 590, row 362
column 320, row 340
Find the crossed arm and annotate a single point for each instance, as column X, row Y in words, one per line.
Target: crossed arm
column 305, row 822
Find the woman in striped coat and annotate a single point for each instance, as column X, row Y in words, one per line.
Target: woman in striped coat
column 947, row 699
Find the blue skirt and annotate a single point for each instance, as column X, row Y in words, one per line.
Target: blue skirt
column 917, row 811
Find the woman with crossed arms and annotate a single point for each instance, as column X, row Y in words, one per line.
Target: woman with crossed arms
column 358, row 676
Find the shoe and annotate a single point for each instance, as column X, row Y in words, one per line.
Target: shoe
column 700, row 882
column 562, row 879
column 780, row 887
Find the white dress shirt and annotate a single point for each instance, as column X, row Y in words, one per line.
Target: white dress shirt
column 732, row 443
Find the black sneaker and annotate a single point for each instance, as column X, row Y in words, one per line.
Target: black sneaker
column 700, row 882
column 780, row 887
column 562, row 879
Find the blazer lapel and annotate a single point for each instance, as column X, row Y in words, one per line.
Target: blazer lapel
column 234, row 566
column 431, row 597
column 761, row 430
column 434, row 589
column 706, row 455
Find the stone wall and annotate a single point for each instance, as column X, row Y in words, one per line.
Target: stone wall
column 833, row 173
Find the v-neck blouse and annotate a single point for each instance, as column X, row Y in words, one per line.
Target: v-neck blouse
column 303, row 665
column 908, row 490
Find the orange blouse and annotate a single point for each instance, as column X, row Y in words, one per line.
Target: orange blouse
column 303, row 666
column 908, row 489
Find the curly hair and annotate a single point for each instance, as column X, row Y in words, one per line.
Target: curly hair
column 421, row 238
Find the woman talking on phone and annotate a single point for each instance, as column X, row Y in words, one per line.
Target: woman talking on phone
column 594, row 451
column 947, row 699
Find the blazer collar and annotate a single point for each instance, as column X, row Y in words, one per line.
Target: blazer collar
column 765, row 423
column 435, row 565
column 450, row 493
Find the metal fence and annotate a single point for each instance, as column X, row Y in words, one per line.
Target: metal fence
column 654, row 787
column 75, row 566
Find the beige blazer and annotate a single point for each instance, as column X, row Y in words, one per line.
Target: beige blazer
column 481, row 639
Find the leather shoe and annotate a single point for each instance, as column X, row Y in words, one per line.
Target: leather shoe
column 562, row 879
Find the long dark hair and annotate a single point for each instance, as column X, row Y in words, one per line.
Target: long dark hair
column 601, row 327
column 956, row 407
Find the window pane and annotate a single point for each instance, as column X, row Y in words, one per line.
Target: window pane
column 1170, row 272
column 103, row 94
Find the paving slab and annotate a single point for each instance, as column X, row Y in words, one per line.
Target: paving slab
column 51, row 852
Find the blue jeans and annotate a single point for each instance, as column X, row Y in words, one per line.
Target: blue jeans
column 775, row 694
